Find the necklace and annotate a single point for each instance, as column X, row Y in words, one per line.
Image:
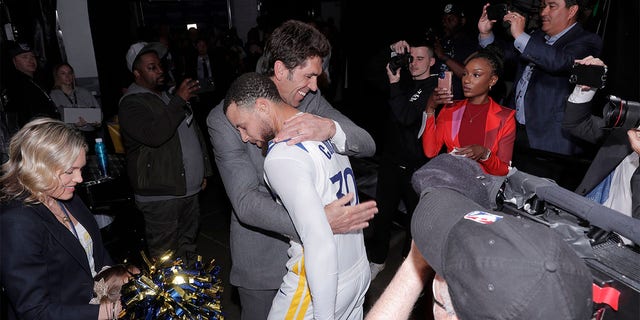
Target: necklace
column 482, row 110
column 68, row 220
column 65, row 219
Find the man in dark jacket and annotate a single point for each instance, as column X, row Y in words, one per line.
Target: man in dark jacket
column 401, row 153
column 27, row 99
column 167, row 160
column 544, row 60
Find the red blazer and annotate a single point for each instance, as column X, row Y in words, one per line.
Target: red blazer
column 500, row 134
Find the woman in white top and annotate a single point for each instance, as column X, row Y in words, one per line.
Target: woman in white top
column 65, row 94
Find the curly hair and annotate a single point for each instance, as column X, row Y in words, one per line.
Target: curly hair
column 293, row 43
column 247, row 88
column 38, row 153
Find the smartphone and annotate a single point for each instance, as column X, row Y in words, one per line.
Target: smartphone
column 589, row 75
column 497, row 11
column 444, row 80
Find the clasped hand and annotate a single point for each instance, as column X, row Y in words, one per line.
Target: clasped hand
column 474, row 151
column 306, row 127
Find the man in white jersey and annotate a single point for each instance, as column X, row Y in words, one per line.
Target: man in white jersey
column 330, row 279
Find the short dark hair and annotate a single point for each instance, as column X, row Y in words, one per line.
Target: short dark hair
column 247, row 88
column 493, row 54
column 422, row 42
column 580, row 3
column 293, row 43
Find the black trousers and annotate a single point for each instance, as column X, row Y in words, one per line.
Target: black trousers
column 393, row 185
column 171, row 225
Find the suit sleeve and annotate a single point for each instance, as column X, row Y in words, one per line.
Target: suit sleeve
column 581, row 123
column 432, row 138
column 251, row 201
column 359, row 142
column 292, row 179
column 502, row 151
column 560, row 58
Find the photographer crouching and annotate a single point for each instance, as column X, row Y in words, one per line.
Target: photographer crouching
column 613, row 178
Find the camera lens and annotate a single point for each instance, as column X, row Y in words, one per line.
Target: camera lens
column 619, row 113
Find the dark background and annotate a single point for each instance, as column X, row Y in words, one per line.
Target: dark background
column 365, row 30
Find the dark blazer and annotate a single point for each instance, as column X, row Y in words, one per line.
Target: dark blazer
column 44, row 268
column 549, row 86
column 615, row 147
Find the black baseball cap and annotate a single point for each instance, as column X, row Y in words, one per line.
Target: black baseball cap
column 498, row 266
column 16, row 48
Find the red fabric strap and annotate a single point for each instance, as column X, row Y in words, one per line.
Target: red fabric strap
column 606, row 295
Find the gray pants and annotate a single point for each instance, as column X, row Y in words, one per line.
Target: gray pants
column 171, row 225
column 255, row 304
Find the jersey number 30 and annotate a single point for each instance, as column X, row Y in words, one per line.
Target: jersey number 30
column 346, row 181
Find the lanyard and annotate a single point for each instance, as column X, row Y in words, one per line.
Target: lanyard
column 74, row 102
column 66, row 214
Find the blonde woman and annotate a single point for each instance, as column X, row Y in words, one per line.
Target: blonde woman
column 65, row 94
column 51, row 244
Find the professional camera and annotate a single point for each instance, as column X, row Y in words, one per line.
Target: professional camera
column 398, row 61
column 619, row 113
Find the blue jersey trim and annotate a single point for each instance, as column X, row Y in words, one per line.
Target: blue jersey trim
column 299, row 145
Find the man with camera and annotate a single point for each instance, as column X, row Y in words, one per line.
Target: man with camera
column 454, row 45
column 545, row 58
column 613, row 179
column 401, row 152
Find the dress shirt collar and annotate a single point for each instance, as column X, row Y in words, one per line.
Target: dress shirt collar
column 552, row 40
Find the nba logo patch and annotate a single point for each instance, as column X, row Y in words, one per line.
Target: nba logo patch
column 482, row 217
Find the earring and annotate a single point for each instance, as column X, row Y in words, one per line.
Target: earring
column 489, row 87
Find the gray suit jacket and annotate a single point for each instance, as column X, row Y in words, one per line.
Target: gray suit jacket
column 261, row 228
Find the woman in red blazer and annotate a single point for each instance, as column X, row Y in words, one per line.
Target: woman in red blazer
column 476, row 127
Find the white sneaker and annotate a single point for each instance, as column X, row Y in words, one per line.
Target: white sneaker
column 375, row 269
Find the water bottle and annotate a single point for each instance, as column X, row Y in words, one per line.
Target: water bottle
column 101, row 154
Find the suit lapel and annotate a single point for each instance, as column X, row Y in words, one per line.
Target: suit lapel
column 66, row 238
column 492, row 126
column 569, row 36
column 606, row 160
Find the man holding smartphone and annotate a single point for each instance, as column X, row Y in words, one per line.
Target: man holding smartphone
column 401, row 152
column 545, row 58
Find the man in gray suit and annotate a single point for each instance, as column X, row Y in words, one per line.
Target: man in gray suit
column 261, row 228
